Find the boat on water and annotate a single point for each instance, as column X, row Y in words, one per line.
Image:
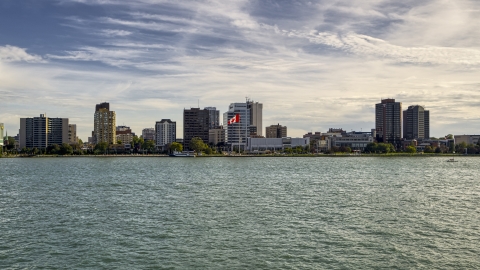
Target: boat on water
column 183, row 154
column 452, row 160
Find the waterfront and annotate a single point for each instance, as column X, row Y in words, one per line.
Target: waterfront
column 248, row 213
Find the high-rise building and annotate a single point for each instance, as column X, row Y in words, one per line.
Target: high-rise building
column 148, row 134
column 236, row 134
column 165, row 133
column 41, row 132
column 416, row 123
column 276, row 131
column 2, row 127
column 388, row 121
column 255, row 111
column 104, row 124
column 213, row 117
column 72, row 133
column 196, row 123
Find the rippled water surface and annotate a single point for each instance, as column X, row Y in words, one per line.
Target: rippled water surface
column 239, row 213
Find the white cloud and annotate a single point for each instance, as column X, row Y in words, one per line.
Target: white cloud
column 113, row 33
column 14, row 54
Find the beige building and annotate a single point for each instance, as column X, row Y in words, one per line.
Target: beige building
column 72, row 133
column 216, row 136
column 104, row 124
column 468, row 139
column 2, row 127
column 125, row 138
column 256, row 115
column 276, row 131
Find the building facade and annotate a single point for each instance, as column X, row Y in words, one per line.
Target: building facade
column 274, row 144
column 124, row 134
column 416, row 123
column 148, row 134
column 104, row 124
column 216, row 136
column 196, row 123
column 276, row 131
column 41, row 132
column 72, row 133
column 468, row 139
column 236, row 134
column 256, row 115
column 165, row 133
column 213, row 117
column 388, row 121
column 2, row 127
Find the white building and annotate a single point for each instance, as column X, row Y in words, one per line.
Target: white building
column 468, row 139
column 2, row 127
column 165, row 133
column 236, row 134
column 256, row 115
column 273, row 144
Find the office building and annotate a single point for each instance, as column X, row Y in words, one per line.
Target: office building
column 276, row 131
column 104, row 124
column 165, row 133
column 148, row 134
column 213, row 117
column 255, row 112
column 216, row 136
column 416, row 123
column 236, row 134
column 196, row 123
column 274, row 144
column 468, row 139
column 388, row 121
column 41, row 132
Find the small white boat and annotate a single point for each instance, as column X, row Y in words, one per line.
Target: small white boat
column 183, row 154
column 452, row 160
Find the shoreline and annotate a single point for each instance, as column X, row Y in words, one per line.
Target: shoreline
column 247, row 156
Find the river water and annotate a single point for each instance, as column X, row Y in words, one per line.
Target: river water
column 240, row 213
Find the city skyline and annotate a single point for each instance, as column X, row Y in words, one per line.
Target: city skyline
column 313, row 64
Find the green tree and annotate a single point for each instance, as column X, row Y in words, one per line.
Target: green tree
column 119, row 142
column 411, row 149
column 80, row 141
column 428, row 149
column 176, row 147
column 449, row 137
column 149, row 145
column 438, row 150
column 197, row 144
column 208, row 150
column 101, row 148
column 66, row 149
column 53, row 149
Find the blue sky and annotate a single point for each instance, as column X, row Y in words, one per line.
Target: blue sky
column 313, row 64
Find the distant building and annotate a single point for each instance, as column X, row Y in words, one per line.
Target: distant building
column 276, row 131
column 41, row 132
column 468, row 139
column 388, row 121
column 273, row 144
column 72, row 133
column 256, row 116
column 124, row 134
column 104, row 124
column 213, row 117
column 416, row 123
column 216, row 136
column 165, row 133
column 196, row 123
column 2, row 127
column 236, row 134
column 148, row 134
column 353, row 140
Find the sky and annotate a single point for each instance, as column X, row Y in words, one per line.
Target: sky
column 314, row 65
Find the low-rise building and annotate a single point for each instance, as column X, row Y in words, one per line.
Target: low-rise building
column 274, row 144
column 468, row 139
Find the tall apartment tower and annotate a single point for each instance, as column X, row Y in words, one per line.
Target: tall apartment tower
column 41, row 132
column 165, row 133
column 196, row 123
column 213, row 117
column 236, row 134
column 276, row 131
column 416, row 123
column 256, row 111
column 388, row 121
column 104, row 124
column 72, row 133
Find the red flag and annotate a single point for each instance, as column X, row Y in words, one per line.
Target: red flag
column 234, row 119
